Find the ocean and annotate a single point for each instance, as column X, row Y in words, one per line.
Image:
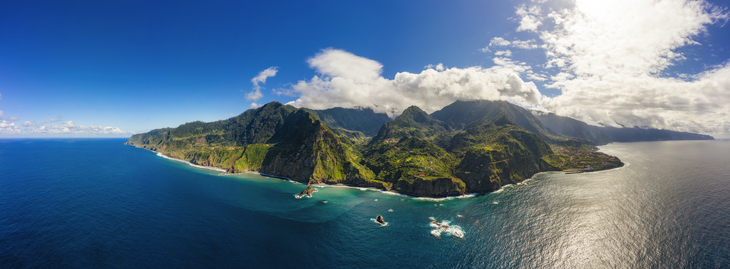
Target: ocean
column 96, row 203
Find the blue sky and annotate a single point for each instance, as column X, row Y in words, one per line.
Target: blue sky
column 112, row 68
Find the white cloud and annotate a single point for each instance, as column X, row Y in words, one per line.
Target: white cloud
column 8, row 128
column 263, row 75
column 12, row 119
column 538, row 77
column 68, row 127
column 505, row 53
column 347, row 80
column 609, row 55
column 254, row 95
column 485, row 49
column 438, row 67
column 530, row 18
column 260, row 78
column 522, row 44
column 339, row 63
column 498, row 41
column 1, row 114
column 255, row 105
column 54, row 120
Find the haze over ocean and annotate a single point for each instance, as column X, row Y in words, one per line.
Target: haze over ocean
column 70, row 203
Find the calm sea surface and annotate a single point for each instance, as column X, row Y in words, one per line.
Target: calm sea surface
column 77, row 203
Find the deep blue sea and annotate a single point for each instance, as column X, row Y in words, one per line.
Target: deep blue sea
column 96, row 203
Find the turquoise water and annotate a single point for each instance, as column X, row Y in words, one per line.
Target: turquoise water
column 98, row 203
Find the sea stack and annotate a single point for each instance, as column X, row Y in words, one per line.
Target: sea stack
column 308, row 192
column 380, row 220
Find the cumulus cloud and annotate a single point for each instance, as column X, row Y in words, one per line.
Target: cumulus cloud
column 1, row 114
column 255, row 105
column 348, row 80
column 7, row 127
column 12, row 119
column 609, row 56
column 530, row 18
column 67, row 127
column 260, row 78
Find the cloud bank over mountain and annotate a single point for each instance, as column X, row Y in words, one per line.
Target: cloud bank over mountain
column 609, row 59
column 347, row 80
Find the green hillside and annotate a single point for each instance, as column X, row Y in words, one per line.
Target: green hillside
column 413, row 122
column 479, row 148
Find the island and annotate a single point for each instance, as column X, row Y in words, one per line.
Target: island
column 308, row 192
column 466, row 147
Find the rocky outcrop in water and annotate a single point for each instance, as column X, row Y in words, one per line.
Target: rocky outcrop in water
column 380, row 220
column 308, row 192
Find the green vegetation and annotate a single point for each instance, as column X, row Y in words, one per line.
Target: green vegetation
column 479, row 148
column 414, row 122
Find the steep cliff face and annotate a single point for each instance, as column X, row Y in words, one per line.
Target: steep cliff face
column 415, row 167
column 307, row 151
column 493, row 154
column 274, row 139
column 416, row 154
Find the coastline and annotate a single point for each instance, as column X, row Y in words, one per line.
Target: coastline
column 338, row 185
column 341, row 185
column 182, row 161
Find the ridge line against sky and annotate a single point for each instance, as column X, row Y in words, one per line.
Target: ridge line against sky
column 651, row 64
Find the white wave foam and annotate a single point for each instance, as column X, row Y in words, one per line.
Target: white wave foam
column 444, row 198
column 445, row 227
column 191, row 164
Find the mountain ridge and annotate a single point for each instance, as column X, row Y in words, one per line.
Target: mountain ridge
column 479, row 146
column 603, row 135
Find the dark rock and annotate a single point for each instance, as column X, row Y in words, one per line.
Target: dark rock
column 380, row 220
column 308, row 192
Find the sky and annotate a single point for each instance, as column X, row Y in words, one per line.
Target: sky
column 115, row 68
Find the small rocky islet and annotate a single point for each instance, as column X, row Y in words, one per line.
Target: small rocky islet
column 379, row 220
column 309, row 191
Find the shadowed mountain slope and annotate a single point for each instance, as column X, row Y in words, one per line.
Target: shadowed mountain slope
column 604, row 135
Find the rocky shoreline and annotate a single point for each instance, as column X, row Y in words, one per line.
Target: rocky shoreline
column 229, row 172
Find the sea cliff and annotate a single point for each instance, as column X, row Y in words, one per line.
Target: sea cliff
column 415, row 154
